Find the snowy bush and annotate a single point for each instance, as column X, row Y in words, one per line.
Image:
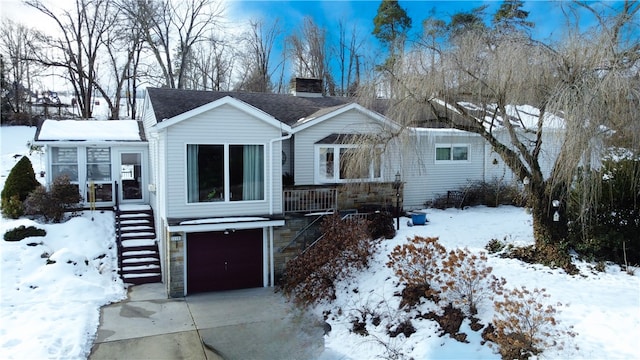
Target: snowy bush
column 457, row 276
column 523, row 326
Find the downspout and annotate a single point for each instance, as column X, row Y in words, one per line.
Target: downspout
column 271, row 265
column 271, row 167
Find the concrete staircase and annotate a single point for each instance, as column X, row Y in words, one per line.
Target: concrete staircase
column 138, row 255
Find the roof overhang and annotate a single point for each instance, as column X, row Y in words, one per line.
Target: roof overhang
column 222, row 224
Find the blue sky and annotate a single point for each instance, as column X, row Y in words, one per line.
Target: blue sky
column 546, row 14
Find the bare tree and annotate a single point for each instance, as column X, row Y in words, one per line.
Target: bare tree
column 258, row 42
column 212, row 66
column 590, row 81
column 172, row 29
column 348, row 52
column 16, row 40
column 77, row 50
column 310, row 53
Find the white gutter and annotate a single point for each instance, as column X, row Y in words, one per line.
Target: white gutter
column 270, row 180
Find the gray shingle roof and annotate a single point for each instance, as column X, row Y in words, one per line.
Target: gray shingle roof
column 288, row 109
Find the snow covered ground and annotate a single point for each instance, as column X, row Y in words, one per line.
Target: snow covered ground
column 52, row 311
column 602, row 307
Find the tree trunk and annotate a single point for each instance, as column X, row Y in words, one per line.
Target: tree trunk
column 549, row 222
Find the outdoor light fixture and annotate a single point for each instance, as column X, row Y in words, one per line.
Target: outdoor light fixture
column 396, row 185
column 556, row 214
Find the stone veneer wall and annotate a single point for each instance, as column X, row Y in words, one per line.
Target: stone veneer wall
column 283, row 236
column 368, row 196
column 175, row 275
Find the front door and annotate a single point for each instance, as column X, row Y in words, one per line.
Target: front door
column 131, row 177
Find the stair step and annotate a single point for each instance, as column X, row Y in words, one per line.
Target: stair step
column 146, row 249
column 139, row 280
column 130, row 253
column 136, row 229
column 140, row 268
column 141, row 261
column 137, row 236
column 134, row 222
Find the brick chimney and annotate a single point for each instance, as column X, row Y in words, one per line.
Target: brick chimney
column 305, row 87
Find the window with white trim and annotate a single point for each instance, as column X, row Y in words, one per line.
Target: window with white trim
column 225, row 173
column 452, row 152
column 64, row 161
column 336, row 163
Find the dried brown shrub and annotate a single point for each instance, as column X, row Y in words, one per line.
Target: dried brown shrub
column 345, row 246
column 523, row 326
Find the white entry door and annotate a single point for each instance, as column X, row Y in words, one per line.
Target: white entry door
column 131, row 177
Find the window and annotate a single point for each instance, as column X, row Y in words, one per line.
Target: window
column 338, row 163
column 98, row 164
column 452, row 153
column 64, row 161
column 208, row 174
column 99, row 186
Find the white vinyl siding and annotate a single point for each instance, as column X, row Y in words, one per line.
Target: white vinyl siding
column 305, row 162
column 425, row 177
column 229, row 125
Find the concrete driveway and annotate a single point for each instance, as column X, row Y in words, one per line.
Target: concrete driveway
column 240, row 324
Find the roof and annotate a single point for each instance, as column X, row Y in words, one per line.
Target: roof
column 168, row 103
column 90, row 130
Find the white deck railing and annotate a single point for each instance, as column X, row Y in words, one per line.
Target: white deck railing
column 310, row 200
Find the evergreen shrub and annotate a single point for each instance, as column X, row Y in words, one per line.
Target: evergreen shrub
column 20, row 182
column 22, row 232
column 609, row 230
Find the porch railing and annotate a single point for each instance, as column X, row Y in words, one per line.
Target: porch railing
column 310, row 200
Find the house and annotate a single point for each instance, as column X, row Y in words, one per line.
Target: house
column 223, row 173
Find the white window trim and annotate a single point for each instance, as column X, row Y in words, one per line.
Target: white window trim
column 320, row 179
column 227, row 199
column 451, row 160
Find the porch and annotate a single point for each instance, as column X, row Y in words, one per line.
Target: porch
column 364, row 197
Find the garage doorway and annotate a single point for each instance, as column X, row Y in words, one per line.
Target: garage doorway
column 224, row 260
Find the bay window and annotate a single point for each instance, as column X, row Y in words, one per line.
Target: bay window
column 341, row 163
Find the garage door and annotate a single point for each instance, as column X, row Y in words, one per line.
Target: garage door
column 219, row 261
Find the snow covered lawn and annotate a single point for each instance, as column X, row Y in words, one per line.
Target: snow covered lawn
column 602, row 307
column 52, row 287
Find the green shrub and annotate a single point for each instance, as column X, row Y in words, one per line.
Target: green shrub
column 20, row 182
column 22, row 232
column 12, row 208
column 609, row 229
column 53, row 204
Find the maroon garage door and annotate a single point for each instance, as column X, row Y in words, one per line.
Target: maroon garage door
column 219, row 261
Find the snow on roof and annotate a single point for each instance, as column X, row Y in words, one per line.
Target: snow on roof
column 89, row 130
column 529, row 116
